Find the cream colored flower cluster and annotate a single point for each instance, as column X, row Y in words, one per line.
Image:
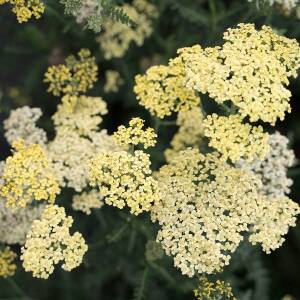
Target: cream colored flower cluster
column 162, row 89
column 77, row 75
column 125, row 179
column 25, row 9
column 21, row 124
column 190, row 133
column 15, row 224
column 117, row 37
column 86, row 10
column 209, row 290
column 286, row 5
column 207, row 206
column 235, row 140
column 272, row 170
column 80, row 113
column 113, row 81
column 49, row 242
column 135, row 134
column 28, row 175
column 7, row 267
column 251, row 69
column 86, row 201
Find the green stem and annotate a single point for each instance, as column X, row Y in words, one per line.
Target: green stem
column 212, row 8
column 17, row 289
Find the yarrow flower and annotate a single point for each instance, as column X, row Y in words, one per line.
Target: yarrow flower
column 206, row 208
column 251, row 69
column 113, row 81
column 25, row 9
column 27, row 176
column 272, row 170
column 162, row 89
column 235, row 140
column 77, row 75
column 190, row 133
column 135, row 134
column 124, row 179
column 7, row 267
column 86, row 201
column 21, row 124
column 209, row 290
column 117, row 37
column 49, row 242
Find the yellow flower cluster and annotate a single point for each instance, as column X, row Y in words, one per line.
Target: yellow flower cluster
column 28, row 176
column 162, row 89
column 208, row 205
column 117, row 37
column 49, row 242
column 125, row 179
column 190, row 133
column 113, row 81
column 208, row 290
column 25, row 9
column 7, row 267
column 235, row 140
column 251, row 69
column 135, row 134
column 80, row 113
column 86, row 201
column 77, row 75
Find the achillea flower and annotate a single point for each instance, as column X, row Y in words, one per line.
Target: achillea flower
column 272, row 170
column 135, row 134
column 77, row 75
column 124, row 179
column 251, row 69
column 25, row 9
column 190, row 133
column 80, row 113
column 162, row 89
column 86, row 10
column 86, row 201
column 28, row 175
column 7, row 267
column 21, row 124
column 206, row 207
column 113, row 81
column 117, row 37
column 235, row 140
column 49, row 242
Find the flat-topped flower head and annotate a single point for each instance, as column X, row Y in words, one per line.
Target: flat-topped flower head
column 7, row 267
column 49, row 243
column 162, row 90
column 76, row 76
column 28, row 175
column 87, row 201
column 125, row 179
column 251, row 69
column 135, row 134
column 234, row 139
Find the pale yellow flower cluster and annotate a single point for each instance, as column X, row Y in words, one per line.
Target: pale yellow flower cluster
column 86, row 201
column 113, row 81
column 28, row 175
column 125, row 179
column 25, row 9
column 80, row 113
column 7, row 267
column 206, row 207
column 162, row 89
column 208, row 290
column 190, row 133
column 235, row 140
column 117, row 37
column 21, row 124
column 251, row 69
column 49, row 242
column 77, row 75
column 135, row 134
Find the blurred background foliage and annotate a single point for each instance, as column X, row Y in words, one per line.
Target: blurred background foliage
column 116, row 267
